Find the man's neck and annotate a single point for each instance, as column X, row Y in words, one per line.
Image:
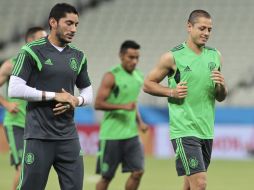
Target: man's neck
column 53, row 40
column 197, row 49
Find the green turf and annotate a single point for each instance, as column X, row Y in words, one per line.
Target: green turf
column 159, row 175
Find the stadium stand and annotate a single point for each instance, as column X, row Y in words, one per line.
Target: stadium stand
column 157, row 25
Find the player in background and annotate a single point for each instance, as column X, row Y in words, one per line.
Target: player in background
column 119, row 140
column 14, row 119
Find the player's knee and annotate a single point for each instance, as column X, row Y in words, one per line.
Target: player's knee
column 137, row 175
column 106, row 180
column 201, row 184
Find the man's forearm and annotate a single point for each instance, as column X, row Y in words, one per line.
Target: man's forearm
column 19, row 89
column 220, row 92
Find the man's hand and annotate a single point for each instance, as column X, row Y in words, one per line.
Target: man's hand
column 12, row 107
column 220, row 87
column 129, row 107
column 66, row 97
column 180, row 91
column 61, row 108
column 217, row 77
column 66, row 102
column 143, row 127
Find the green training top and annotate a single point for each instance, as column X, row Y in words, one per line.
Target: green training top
column 193, row 115
column 17, row 119
column 121, row 124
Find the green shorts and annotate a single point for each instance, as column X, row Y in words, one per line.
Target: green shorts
column 193, row 155
column 15, row 139
column 128, row 152
column 39, row 157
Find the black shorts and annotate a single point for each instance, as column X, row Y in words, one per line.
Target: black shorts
column 128, row 152
column 64, row 155
column 193, row 155
column 15, row 139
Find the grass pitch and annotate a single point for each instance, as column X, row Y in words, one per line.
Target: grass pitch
column 159, row 174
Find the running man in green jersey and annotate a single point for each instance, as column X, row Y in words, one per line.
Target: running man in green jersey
column 14, row 119
column 119, row 141
column 195, row 81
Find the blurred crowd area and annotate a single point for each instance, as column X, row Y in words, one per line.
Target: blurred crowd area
column 157, row 25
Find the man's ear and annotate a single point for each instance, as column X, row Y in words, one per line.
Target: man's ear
column 53, row 23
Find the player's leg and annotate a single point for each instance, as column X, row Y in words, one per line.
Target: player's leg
column 190, row 162
column 198, row 181
column 186, row 183
column 133, row 161
column 36, row 163
column 69, row 165
column 109, row 157
column 14, row 136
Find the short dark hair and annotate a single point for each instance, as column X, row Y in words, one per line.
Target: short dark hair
column 196, row 14
column 31, row 31
column 129, row 44
column 59, row 11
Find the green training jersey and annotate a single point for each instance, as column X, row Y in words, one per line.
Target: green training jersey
column 193, row 115
column 17, row 119
column 121, row 124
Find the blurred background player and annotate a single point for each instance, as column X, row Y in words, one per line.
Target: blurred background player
column 14, row 119
column 45, row 75
column 119, row 140
column 195, row 82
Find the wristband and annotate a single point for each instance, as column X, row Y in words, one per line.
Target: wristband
column 80, row 101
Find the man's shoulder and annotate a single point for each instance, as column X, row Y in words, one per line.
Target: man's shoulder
column 178, row 48
column 210, row 48
column 35, row 44
column 115, row 69
column 139, row 72
column 76, row 49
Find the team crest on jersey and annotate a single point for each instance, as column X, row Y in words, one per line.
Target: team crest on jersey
column 211, row 66
column 29, row 158
column 74, row 64
column 193, row 162
column 104, row 167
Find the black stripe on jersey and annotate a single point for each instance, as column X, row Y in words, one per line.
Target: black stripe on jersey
column 36, row 42
column 177, row 48
column 210, row 48
column 177, row 76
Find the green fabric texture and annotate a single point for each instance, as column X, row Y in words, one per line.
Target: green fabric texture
column 193, row 115
column 121, row 124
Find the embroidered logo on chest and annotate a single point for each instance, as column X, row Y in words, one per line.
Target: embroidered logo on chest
column 73, row 64
column 211, row 66
column 187, row 69
column 48, row 62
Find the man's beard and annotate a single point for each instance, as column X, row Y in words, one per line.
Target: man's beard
column 61, row 39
